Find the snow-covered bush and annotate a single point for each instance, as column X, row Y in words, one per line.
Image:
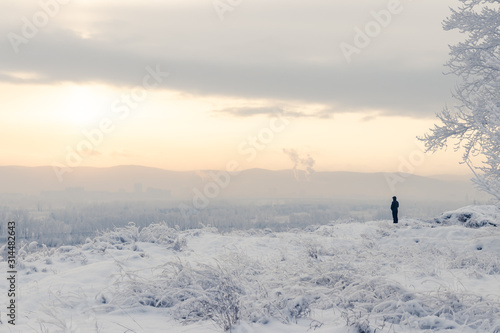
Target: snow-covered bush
column 127, row 237
column 286, row 306
column 190, row 294
column 476, row 263
column 222, row 301
column 160, row 233
column 368, row 305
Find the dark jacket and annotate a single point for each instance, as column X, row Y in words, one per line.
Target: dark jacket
column 394, row 205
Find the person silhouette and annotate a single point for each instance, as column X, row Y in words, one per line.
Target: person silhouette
column 394, row 208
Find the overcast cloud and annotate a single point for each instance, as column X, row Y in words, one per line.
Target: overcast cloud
column 286, row 51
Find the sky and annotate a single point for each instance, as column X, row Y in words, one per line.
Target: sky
column 334, row 85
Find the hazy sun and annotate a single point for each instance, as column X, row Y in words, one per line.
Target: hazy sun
column 84, row 105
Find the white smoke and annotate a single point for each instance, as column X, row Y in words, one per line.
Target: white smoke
column 300, row 163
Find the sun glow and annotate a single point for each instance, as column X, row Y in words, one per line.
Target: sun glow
column 84, row 105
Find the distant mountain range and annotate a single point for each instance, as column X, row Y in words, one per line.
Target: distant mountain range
column 251, row 183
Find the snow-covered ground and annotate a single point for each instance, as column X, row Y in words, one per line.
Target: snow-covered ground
column 344, row 277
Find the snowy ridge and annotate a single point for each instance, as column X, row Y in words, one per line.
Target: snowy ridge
column 343, row 277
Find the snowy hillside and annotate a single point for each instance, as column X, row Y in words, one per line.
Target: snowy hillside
column 344, row 277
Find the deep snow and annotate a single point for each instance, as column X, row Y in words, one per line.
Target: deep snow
column 344, row 277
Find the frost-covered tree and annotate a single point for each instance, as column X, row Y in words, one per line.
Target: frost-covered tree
column 474, row 123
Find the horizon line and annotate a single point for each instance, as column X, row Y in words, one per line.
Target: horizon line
column 243, row 170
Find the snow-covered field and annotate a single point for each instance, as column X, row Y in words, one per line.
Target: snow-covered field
column 437, row 275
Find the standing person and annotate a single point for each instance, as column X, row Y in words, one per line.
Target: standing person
column 394, row 208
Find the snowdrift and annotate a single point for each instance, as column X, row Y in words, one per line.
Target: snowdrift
column 471, row 216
